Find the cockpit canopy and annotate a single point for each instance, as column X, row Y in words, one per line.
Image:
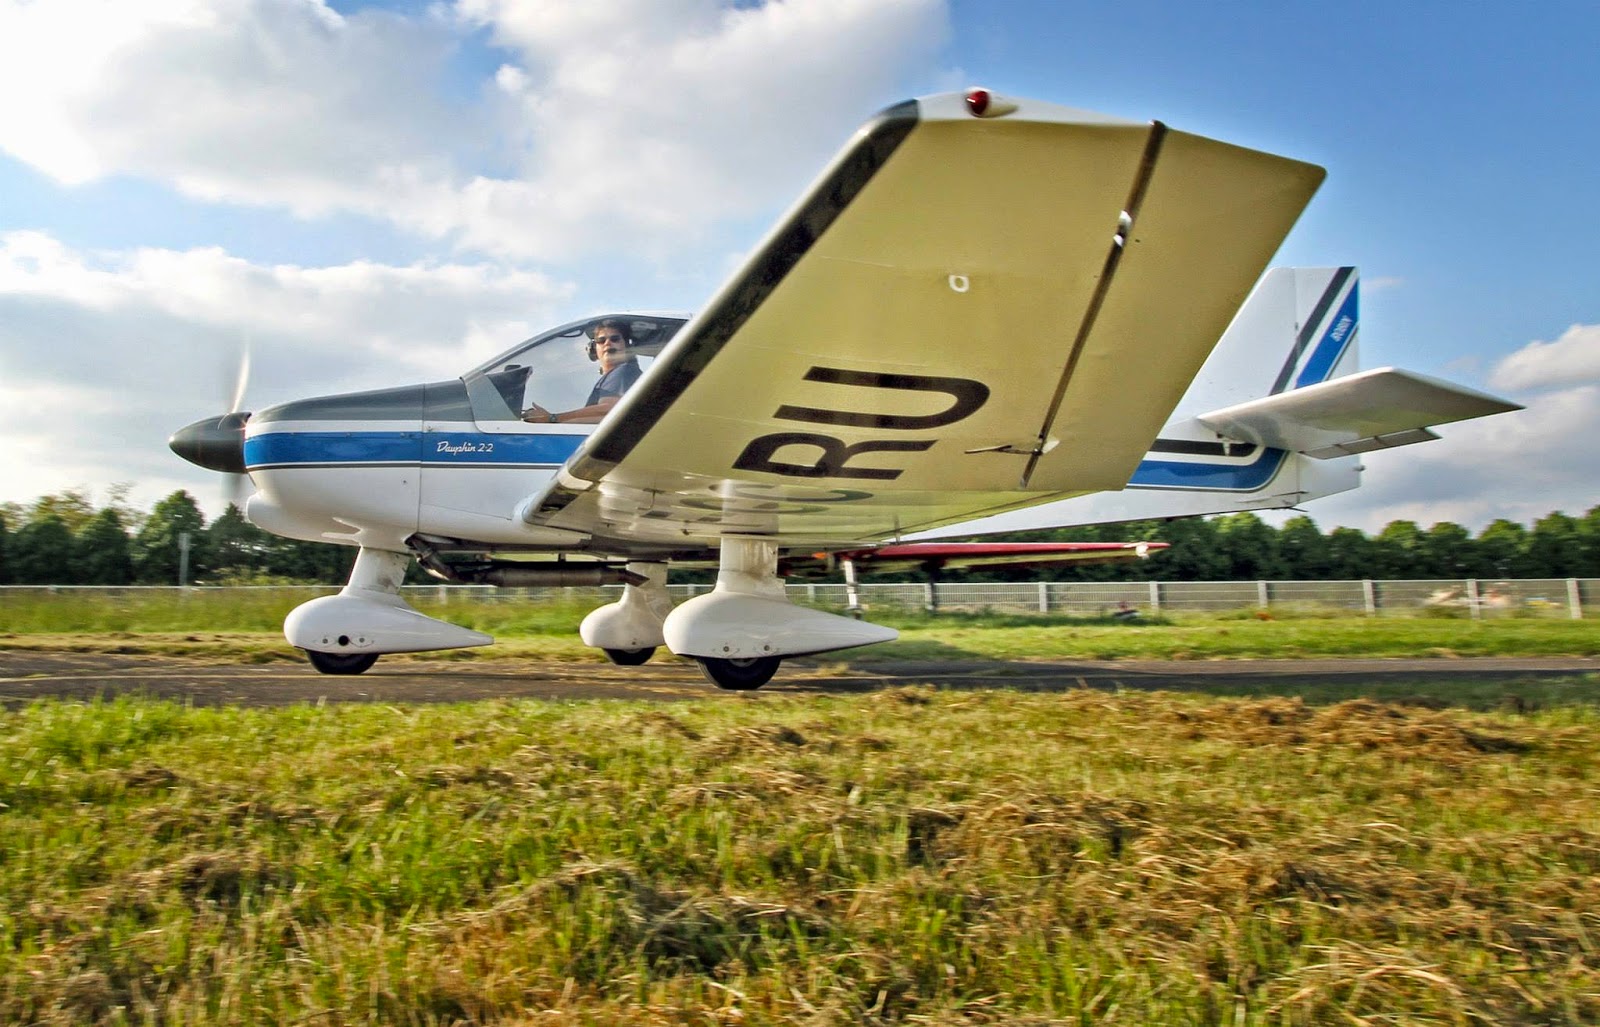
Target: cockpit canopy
column 553, row 369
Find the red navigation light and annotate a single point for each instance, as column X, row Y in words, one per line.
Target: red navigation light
column 981, row 103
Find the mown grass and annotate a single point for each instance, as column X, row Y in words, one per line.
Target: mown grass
column 906, row 856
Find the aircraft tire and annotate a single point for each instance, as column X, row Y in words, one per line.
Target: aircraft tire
column 341, row 663
column 630, row 657
column 739, row 675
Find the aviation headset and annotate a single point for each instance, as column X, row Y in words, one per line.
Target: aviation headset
column 589, row 346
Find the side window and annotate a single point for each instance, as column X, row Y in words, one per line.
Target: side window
column 554, row 371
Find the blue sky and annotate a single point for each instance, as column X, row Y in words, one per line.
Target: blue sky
column 367, row 194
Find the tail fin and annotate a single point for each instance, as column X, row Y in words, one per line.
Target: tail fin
column 1298, row 327
column 1317, row 403
column 1274, row 417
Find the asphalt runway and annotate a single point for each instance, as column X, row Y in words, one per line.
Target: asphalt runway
column 27, row 675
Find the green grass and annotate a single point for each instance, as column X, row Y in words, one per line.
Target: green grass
column 249, row 629
column 1203, row 637
column 76, row 611
column 906, row 856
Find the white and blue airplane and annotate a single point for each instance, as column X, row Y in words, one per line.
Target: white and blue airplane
column 985, row 315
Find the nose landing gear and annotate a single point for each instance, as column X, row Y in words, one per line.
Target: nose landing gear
column 341, row 663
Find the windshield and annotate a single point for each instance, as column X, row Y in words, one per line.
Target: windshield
column 555, row 371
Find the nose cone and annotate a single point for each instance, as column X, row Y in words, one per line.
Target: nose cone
column 215, row 443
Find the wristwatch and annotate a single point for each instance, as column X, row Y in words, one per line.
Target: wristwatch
column 552, row 417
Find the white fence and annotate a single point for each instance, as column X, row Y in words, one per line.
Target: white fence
column 1556, row 597
column 1568, row 597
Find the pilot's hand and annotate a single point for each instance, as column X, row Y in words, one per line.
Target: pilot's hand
column 536, row 414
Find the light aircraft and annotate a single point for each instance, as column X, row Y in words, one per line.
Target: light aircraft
column 986, row 315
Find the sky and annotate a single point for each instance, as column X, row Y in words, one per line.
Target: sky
column 365, row 194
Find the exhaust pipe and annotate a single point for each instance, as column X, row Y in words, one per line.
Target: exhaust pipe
column 516, row 574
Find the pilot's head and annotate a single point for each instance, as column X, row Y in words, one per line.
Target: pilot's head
column 609, row 340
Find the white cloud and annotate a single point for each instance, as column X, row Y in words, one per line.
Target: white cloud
column 629, row 120
column 1571, row 359
column 102, row 355
column 647, row 122
column 279, row 102
column 412, row 316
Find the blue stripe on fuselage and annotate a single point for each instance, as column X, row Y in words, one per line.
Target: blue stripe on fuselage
column 435, row 449
column 1175, row 474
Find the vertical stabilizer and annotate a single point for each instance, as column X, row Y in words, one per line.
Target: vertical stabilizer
column 1299, row 326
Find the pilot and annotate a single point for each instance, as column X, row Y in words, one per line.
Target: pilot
column 609, row 342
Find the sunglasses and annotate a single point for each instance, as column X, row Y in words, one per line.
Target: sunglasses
column 608, row 338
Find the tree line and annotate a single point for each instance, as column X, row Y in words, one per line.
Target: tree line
column 66, row 539
column 1243, row 547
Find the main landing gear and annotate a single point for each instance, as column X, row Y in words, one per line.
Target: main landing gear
column 744, row 628
column 739, row 675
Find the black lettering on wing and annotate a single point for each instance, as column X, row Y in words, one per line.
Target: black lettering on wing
column 969, row 395
column 833, row 461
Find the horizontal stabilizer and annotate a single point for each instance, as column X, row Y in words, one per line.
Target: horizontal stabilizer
column 1377, row 409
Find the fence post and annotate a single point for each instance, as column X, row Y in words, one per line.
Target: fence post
column 1263, row 597
column 1473, row 603
column 1574, row 600
column 1044, row 597
column 1369, row 598
column 1155, row 597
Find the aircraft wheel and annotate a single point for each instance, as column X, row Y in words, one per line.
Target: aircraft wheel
column 739, row 675
column 341, row 663
column 630, row 657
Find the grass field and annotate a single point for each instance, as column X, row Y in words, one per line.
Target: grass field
column 1422, row 854
column 246, row 625
column 907, row 856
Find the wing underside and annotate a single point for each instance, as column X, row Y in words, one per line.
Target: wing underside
column 962, row 316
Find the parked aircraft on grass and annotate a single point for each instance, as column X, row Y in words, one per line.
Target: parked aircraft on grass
column 985, row 315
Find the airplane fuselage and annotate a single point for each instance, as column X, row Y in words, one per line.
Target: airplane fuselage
column 376, row 468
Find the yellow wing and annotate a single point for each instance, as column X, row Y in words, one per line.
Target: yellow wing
column 964, row 315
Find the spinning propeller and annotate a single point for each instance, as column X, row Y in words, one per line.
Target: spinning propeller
column 217, row 443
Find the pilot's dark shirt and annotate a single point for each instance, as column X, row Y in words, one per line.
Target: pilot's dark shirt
column 615, row 382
